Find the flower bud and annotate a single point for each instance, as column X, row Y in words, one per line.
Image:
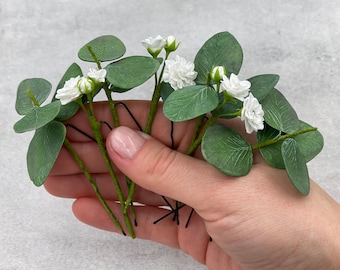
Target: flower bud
column 171, row 44
column 85, row 85
column 154, row 45
column 217, row 73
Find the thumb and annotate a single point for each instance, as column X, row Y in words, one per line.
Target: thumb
column 157, row 168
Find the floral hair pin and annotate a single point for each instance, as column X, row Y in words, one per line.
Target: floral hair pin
column 206, row 89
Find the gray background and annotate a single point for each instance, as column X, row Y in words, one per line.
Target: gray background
column 300, row 40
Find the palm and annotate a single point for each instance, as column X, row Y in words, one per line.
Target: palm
column 66, row 180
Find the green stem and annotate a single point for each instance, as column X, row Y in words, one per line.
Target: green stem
column 32, row 97
column 198, row 140
column 94, row 56
column 281, row 138
column 97, row 134
column 93, row 184
column 152, row 113
column 112, row 106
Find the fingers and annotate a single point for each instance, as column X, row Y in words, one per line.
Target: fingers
column 157, row 168
column 193, row 239
column 77, row 186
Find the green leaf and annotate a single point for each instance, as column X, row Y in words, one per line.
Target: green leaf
column 190, row 102
column 68, row 110
column 261, row 85
column 106, row 48
column 227, row 150
column 38, row 117
column 271, row 153
column 40, row 88
column 278, row 113
column 44, row 150
column 310, row 143
column 166, row 90
column 131, row 71
column 220, row 50
column 295, row 166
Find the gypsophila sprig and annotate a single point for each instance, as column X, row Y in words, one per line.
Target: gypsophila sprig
column 179, row 73
column 208, row 91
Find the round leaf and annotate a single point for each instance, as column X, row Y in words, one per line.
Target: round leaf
column 106, row 48
column 38, row 117
column 278, row 113
column 295, row 166
column 44, row 150
column 131, row 71
column 190, row 102
column 40, row 88
column 271, row 153
column 221, row 49
column 261, row 85
column 310, row 144
column 227, row 150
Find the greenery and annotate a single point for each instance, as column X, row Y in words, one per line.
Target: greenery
column 206, row 89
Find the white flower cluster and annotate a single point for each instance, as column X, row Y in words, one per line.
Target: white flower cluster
column 252, row 113
column 74, row 88
column 179, row 72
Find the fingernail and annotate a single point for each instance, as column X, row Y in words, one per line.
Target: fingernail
column 126, row 142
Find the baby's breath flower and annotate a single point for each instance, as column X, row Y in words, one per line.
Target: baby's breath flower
column 97, row 75
column 154, row 45
column 236, row 88
column 252, row 114
column 179, row 73
column 69, row 92
column 85, row 85
column 217, row 73
column 171, row 44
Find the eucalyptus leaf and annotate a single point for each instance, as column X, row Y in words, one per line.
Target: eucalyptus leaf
column 68, row 110
column 310, row 143
column 271, row 153
column 190, row 102
column 105, row 48
column 261, row 85
column 278, row 113
column 295, row 166
column 227, row 150
column 131, row 71
column 44, row 150
column 38, row 117
column 38, row 87
column 221, row 49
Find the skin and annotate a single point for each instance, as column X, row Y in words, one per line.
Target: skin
column 258, row 221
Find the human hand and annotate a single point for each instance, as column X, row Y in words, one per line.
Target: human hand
column 258, row 221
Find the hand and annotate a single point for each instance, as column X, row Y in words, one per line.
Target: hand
column 258, row 221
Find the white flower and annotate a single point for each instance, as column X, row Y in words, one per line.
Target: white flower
column 69, row 92
column 171, row 44
column 252, row 114
column 236, row 88
column 97, row 75
column 179, row 73
column 154, row 45
column 85, row 85
column 217, row 73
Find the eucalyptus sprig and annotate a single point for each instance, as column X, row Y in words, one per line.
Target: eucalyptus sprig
column 207, row 89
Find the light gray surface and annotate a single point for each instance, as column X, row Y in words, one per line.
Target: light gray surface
column 300, row 40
